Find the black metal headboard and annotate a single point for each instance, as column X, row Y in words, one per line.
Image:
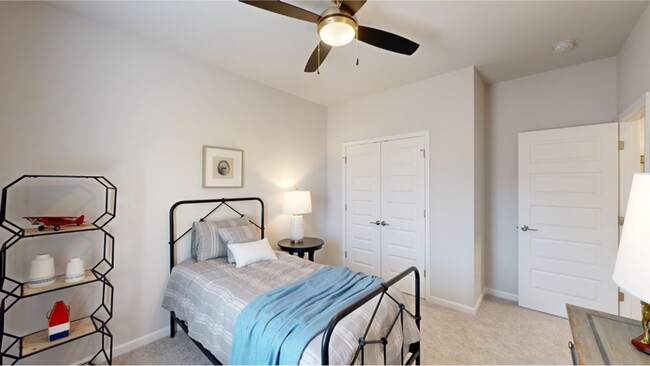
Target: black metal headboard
column 220, row 202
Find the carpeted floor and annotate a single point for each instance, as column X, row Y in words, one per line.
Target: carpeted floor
column 501, row 333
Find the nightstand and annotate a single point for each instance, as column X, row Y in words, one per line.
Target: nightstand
column 603, row 339
column 307, row 245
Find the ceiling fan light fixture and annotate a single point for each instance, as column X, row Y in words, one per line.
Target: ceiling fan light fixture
column 336, row 28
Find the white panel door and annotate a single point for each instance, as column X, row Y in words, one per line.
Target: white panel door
column 402, row 209
column 568, row 218
column 363, row 190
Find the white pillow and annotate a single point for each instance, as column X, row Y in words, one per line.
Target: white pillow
column 253, row 252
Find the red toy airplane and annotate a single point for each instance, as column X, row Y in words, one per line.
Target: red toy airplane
column 54, row 222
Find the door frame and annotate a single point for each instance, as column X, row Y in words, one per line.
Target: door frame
column 427, row 221
column 629, row 307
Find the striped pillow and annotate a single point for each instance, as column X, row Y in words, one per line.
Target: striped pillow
column 206, row 243
column 236, row 235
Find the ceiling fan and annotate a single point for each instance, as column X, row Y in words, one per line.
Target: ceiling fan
column 338, row 26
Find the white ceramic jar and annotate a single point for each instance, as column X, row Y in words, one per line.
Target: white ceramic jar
column 75, row 270
column 41, row 272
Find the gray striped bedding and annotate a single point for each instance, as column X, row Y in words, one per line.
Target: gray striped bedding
column 209, row 295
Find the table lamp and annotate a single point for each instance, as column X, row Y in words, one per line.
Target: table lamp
column 631, row 271
column 296, row 203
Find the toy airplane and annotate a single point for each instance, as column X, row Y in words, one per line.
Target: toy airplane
column 54, row 222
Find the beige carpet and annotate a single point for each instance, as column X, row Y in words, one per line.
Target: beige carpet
column 501, row 333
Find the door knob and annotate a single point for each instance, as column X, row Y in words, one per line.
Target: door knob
column 383, row 223
column 526, row 228
column 375, row 222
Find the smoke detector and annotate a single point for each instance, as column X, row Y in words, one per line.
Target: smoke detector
column 564, row 46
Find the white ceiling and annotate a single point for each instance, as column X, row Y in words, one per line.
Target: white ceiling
column 504, row 40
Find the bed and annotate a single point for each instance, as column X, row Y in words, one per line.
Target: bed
column 206, row 297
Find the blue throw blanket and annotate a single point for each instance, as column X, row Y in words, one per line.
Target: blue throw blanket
column 275, row 328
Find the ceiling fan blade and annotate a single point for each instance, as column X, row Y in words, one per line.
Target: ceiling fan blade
column 278, row 7
column 312, row 63
column 387, row 40
column 352, row 6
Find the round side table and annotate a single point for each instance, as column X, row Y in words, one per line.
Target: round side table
column 307, row 245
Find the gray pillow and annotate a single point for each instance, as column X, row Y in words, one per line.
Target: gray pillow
column 236, row 235
column 206, row 243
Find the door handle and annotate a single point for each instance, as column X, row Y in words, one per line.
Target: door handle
column 526, row 228
column 383, row 223
column 375, row 222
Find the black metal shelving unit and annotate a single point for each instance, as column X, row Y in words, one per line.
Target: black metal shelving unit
column 14, row 347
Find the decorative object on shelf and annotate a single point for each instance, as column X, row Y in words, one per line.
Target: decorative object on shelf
column 54, row 222
column 41, row 272
column 222, row 167
column 296, row 203
column 631, row 271
column 75, row 271
column 58, row 321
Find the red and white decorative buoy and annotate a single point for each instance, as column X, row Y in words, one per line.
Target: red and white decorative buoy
column 58, row 321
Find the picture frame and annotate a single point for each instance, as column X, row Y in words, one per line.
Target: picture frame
column 222, row 167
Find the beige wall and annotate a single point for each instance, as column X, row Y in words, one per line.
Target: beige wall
column 80, row 98
column 444, row 106
column 572, row 96
column 634, row 64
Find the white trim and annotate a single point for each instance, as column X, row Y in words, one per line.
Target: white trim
column 453, row 305
column 634, row 111
column 132, row 344
column 140, row 341
column 427, row 185
column 502, row 294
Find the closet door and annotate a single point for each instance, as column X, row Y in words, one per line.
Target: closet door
column 402, row 209
column 362, row 234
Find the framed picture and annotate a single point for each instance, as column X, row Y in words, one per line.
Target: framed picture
column 222, row 167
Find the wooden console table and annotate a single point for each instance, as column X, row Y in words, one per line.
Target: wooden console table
column 604, row 339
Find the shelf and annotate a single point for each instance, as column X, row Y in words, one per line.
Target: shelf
column 37, row 342
column 59, row 283
column 64, row 229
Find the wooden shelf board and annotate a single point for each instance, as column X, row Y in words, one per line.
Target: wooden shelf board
column 59, row 283
column 64, row 229
column 37, row 342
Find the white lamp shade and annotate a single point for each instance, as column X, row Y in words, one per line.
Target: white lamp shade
column 631, row 272
column 296, row 202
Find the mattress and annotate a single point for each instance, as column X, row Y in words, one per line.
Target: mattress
column 209, row 295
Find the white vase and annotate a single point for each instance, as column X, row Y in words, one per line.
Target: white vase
column 41, row 272
column 75, row 270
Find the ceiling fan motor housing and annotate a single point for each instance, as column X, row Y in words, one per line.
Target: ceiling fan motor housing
column 337, row 27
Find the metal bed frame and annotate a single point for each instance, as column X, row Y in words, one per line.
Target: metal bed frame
column 381, row 291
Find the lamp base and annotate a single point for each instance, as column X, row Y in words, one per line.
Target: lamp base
column 296, row 231
column 645, row 348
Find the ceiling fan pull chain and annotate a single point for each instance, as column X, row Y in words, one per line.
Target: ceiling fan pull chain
column 318, row 64
column 356, row 43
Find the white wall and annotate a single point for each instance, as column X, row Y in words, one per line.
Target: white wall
column 80, row 98
column 634, row 63
column 444, row 106
column 572, row 96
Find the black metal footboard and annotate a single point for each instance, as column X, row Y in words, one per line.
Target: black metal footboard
column 382, row 292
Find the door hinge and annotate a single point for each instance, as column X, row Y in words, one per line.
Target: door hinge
column 642, row 159
column 621, row 296
column 346, row 254
column 621, row 145
column 345, row 160
column 621, row 220
column 425, row 273
column 424, row 153
column 346, row 207
column 425, row 213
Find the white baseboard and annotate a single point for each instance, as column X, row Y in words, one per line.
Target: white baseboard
column 139, row 342
column 455, row 306
column 502, row 294
column 132, row 344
